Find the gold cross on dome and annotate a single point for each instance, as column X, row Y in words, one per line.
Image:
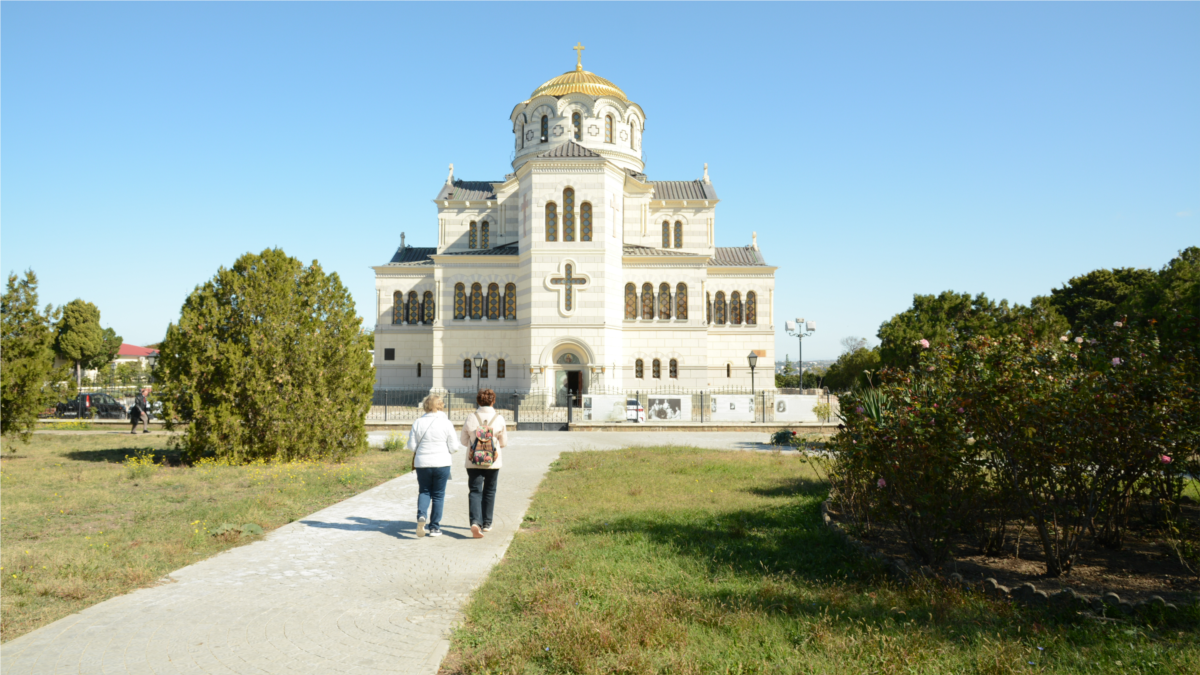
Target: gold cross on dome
column 579, row 55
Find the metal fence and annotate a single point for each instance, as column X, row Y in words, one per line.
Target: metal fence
column 550, row 409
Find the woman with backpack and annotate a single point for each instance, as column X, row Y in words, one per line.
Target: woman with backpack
column 484, row 434
column 432, row 441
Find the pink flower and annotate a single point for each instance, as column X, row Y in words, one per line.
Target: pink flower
column 1078, row 340
column 930, row 369
column 1062, row 338
column 935, row 405
column 1166, row 459
column 1117, row 324
column 1116, row 361
column 881, row 483
column 960, row 410
column 924, row 343
column 859, row 410
column 1092, row 341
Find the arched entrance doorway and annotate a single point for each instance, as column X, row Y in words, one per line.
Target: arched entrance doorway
column 570, row 377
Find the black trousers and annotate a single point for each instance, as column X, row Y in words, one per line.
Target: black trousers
column 142, row 417
column 483, row 494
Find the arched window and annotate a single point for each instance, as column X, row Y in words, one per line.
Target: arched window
column 656, row 369
column 708, row 308
column 751, row 308
column 483, row 369
column 666, row 234
column 460, row 301
column 521, row 136
column 427, row 308
column 719, row 309
column 728, row 370
column 681, row 301
column 418, row 370
column 483, row 234
column 510, row 302
column 493, row 302
column 545, row 128
column 397, row 307
column 577, row 122
column 608, row 128
column 551, row 221
column 664, row 301
column 630, row 301
column 678, row 234
column 639, row 369
column 673, row 369
column 499, row 369
column 585, row 221
column 569, row 214
column 472, row 240
column 476, row 301
column 414, row 308
column 467, row 369
column 647, row 301
column 735, row 308
column 633, row 131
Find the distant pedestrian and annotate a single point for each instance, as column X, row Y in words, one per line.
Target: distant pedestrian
column 484, row 434
column 432, row 440
column 140, row 412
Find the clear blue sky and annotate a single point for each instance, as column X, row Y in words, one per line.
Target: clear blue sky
column 880, row 150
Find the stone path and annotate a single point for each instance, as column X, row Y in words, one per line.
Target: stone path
column 348, row 589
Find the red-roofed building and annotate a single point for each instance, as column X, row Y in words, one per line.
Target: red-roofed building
column 129, row 353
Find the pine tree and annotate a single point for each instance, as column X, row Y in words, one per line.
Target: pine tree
column 27, row 368
column 267, row 361
column 79, row 338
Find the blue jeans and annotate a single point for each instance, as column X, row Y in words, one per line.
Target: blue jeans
column 431, row 482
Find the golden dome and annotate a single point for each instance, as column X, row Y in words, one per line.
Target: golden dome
column 579, row 81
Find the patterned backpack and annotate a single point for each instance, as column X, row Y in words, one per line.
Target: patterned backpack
column 483, row 448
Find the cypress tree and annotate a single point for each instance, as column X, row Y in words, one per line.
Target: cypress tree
column 267, row 361
column 26, row 357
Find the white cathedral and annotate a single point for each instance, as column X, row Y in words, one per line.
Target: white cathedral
column 577, row 271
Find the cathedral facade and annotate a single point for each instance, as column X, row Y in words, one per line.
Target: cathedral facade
column 576, row 271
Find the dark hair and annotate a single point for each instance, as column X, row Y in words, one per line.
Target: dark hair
column 486, row 397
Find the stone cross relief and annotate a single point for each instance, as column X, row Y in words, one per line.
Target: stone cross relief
column 567, row 283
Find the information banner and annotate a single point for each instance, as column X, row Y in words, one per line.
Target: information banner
column 598, row 408
column 790, row 408
column 668, row 408
column 732, row 408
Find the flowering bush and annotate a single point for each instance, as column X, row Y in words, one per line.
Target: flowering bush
column 1061, row 433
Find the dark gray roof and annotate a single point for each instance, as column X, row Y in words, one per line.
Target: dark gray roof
column 569, row 149
column 468, row 191
column 630, row 249
column 737, row 256
column 637, row 175
column 506, row 249
column 683, row 189
column 412, row 255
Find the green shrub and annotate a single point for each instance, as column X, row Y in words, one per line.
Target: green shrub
column 782, row 437
column 140, row 464
column 395, row 442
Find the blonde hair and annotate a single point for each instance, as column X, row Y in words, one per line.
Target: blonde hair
column 432, row 403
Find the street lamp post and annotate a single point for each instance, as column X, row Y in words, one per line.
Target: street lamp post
column 478, row 365
column 753, row 360
column 800, row 329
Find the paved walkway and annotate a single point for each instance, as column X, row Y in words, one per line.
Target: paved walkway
column 348, row 589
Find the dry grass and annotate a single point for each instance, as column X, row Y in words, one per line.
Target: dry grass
column 671, row 560
column 81, row 524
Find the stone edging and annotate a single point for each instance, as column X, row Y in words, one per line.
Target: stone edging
column 1098, row 606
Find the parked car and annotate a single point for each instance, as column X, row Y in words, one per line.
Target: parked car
column 634, row 412
column 88, row 405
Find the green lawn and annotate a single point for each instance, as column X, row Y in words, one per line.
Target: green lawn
column 80, row 524
column 672, row 560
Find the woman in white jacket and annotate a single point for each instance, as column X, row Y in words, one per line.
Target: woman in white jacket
column 432, row 440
